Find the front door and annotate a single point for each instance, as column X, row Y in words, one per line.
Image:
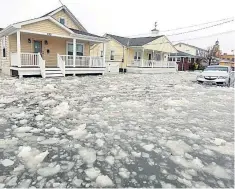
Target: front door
column 38, row 47
column 150, row 56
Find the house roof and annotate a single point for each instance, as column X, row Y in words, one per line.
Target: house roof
column 140, row 41
column 1, row 29
column 83, row 33
column 180, row 53
column 191, row 46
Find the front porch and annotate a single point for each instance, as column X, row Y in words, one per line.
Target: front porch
column 53, row 56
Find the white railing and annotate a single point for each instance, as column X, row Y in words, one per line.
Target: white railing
column 29, row 59
column 14, row 59
column 83, row 61
column 152, row 64
column 42, row 65
column 61, row 64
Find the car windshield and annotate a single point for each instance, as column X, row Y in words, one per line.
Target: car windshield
column 224, row 69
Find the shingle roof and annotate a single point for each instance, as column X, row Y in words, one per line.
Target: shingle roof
column 83, row 33
column 180, row 53
column 140, row 41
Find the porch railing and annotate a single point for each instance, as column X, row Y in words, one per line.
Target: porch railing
column 82, row 61
column 152, row 64
column 27, row 60
column 61, row 64
column 42, row 65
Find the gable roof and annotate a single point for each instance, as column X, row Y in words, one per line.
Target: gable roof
column 191, row 46
column 139, row 41
column 70, row 14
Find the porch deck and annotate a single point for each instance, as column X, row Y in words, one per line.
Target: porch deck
column 33, row 64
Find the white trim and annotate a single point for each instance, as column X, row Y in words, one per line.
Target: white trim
column 89, row 38
column 47, row 34
column 19, row 25
column 18, row 48
column 70, row 14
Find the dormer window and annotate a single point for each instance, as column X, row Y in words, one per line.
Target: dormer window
column 62, row 21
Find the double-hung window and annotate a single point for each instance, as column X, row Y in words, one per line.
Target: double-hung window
column 137, row 55
column 79, row 49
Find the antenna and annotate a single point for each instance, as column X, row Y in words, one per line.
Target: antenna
column 61, row 2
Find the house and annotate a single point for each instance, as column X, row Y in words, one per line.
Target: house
column 227, row 60
column 229, row 57
column 138, row 55
column 188, row 55
column 55, row 44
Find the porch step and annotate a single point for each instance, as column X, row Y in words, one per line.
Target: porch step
column 53, row 72
column 54, row 75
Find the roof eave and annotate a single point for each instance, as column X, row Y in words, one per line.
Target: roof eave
column 8, row 30
column 90, row 38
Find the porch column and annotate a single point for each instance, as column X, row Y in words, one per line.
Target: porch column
column 143, row 58
column 74, row 52
column 153, row 59
column 18, row 48
column 104, row 51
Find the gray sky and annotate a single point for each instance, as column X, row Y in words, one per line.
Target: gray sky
column 134, row 17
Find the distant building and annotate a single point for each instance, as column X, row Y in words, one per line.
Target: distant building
column 229, row 57
column 227, row 60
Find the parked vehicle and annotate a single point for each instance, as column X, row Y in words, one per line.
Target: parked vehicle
column 217, row 75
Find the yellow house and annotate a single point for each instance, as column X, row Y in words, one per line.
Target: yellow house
column 55, row 44
column 142, row 52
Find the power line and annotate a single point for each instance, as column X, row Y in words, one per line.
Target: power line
column 189, row 39
column 201, row 28
column 231, row 19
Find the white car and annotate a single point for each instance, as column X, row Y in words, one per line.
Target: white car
column 217, row 75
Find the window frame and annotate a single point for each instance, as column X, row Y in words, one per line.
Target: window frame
column 62, row 18
column 71, row 43
column 3, row 45
column 101, row 53
column 112, row 55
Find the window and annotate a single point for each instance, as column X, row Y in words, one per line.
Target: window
column 173, row 59
column 170, row 58
column 178, row 59
column 112, row 55
column 62, row 21
column 137, row 55
column 101, row 53
column 79, row 49
column 3, row 44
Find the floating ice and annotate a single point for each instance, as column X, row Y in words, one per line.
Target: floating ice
column 50, row 141
column 39, row 117
column 53, row 130
column 178, row 147
column 48, row 171
column 124, row 173
column 77, row 182
column 148, row 147
column 61, row 110
column 109, row 160
column 23, row 129
column 218, row 171
column 219, row 141
column 92, row 173
column 78, row 133
column 7, row 162
column 104, row 181
column 88, row 155
column 99, row 142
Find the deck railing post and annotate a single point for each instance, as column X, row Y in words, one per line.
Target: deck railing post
column 74, row 52
column 18, row 48
column 89, row 61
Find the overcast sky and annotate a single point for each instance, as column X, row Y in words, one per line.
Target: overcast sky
column 134, row 17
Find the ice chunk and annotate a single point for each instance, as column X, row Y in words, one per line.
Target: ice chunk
column 39, row 117
column 78, row 133
column 88, row 155
column 53, row 130
column 7, row 162
column 195, row 163
column 124, row 173
column 61, row 110
column 31, row 157
column 178, row 147
column 104, row 181
column 23, row 129
column 218, row 171
column 92, row 173
column 148, row 147
column 24, row 183
column 48, row 171
column 227, row 148
column 12, row 181
column 99, row 142
column 77, row 182
column 109, row 160
column 136, row 154
column 50, row 141
column 219, row 141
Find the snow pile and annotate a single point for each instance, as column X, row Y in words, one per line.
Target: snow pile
column 31, row 157
column 178, row 147
column 61, row 110
column 49, row 171
column 104, row 181
column 92, row 173
column 88, row 155
column 78, row 133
